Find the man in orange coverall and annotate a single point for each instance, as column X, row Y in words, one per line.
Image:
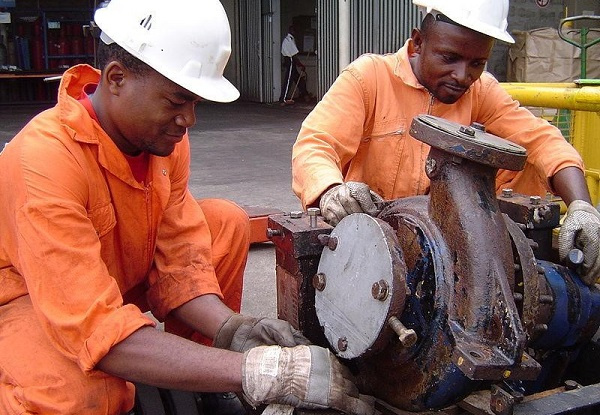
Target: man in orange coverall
column 98, row 226
column 355, row 148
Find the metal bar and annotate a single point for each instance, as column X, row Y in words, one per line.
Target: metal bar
column 569, row 402
column 586, row 98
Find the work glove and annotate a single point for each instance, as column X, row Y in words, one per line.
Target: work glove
column 344, row 199
column 307, row 377
column 240, row 333
column 581, row 229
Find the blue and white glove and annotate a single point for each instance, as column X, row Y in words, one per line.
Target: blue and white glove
column 581, row 229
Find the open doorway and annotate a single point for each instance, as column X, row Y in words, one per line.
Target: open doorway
column 302, row 16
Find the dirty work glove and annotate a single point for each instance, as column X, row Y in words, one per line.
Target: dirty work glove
column 344, row 199
column 581, row 229
column 240, row 333
column 303, row 376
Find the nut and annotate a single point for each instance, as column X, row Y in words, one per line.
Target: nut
column 380, row 290
column 319, row 281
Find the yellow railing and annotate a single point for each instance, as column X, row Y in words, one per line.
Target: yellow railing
column 575, row 110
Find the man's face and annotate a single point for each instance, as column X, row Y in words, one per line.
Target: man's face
column 151, row 114
column 447, row 59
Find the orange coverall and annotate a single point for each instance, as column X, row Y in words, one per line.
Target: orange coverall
column 85, row 249
column 359, row 131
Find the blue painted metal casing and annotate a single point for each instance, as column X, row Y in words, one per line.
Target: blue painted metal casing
column 576, row 309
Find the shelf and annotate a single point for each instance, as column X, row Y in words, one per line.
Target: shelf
column 51, row 38
column 29, row 75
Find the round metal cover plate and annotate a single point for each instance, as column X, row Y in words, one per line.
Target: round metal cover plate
column 479, row 136
column 364, row 285
column 468, row 142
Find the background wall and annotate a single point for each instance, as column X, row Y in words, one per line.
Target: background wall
column 524, row 15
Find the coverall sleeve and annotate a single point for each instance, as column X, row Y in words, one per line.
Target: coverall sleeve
column 183, row 267
column 330, row 136
column 547, row 149
column 77, row 302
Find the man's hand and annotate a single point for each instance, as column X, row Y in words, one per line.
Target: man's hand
column 581, row 229
column 344, row 199
column 303, row 376
column 240, row 333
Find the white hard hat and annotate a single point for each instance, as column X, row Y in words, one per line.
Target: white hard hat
column 485, row 16
column 187, row 41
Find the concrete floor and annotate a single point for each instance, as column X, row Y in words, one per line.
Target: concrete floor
column 240, row 151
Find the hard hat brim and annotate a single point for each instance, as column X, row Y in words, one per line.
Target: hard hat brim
column 217, row 90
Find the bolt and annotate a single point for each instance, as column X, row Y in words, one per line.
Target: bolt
column 546, row 299
column 407, row 337
column 540, row 328
column 478, row 126
column 430, row 166
column 273, row 232
column 297, row 214
column 575, row 257
column 380, row 290
column 518, row 297
column 342, row 344
column 467, row 131
column 319, row 281
column 332, row 243
column 312, row 214
column 323, row 239
column 571, row 385
column 535, row 200
column 507, row 192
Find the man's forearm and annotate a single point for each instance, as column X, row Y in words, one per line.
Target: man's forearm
column 164, row 360
column 569, row 183
column 205, row 314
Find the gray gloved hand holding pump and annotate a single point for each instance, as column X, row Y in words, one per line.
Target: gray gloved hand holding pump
column 581, row 229
column 303, row 376
column 240, row 333
column 351, row 197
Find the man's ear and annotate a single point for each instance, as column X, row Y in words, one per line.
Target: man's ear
column 114, row 75
column 416, row 42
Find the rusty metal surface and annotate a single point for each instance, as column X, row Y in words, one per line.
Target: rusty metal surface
column 460, row 265
column 414, row 378
column 532, row 294
column 534, row 212
column 537, row 218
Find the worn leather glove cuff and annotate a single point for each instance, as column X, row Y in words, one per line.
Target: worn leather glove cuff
column 228, row 329
column 302, row 376
column 240, row 333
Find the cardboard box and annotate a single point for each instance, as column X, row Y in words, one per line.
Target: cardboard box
column 540, row 55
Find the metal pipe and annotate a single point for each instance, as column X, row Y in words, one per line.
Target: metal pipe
column 586, row 98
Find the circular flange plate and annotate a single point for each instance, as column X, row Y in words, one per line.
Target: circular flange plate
column 363, row 285
column 470, row 142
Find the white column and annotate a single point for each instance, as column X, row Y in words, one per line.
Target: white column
column 344, row 33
